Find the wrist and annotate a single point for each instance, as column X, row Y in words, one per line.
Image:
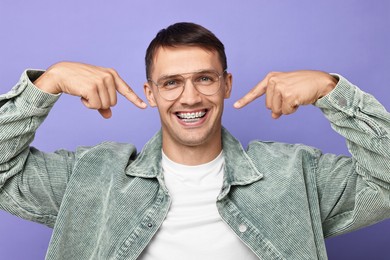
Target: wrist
column 330, row 83
column 47, row 83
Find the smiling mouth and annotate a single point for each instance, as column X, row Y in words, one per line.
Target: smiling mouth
column 191, row 117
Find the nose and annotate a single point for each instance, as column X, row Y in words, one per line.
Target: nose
column 190, row 95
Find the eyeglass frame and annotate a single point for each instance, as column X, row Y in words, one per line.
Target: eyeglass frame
column 185, row 81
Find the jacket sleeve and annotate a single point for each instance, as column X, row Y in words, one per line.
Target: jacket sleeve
column 32, row 183
column 354, row 192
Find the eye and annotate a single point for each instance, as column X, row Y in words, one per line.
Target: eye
column 171, row 83
column 206, row 78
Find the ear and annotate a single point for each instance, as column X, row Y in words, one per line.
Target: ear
column 228, row 85
column 149, row 95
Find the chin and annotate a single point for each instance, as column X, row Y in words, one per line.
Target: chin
column 198, row 137
column 193, row 141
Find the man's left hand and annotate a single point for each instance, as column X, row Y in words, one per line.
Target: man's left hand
column 286, row 91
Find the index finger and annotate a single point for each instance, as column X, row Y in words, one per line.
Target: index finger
column 128, row 93
column 254, row 93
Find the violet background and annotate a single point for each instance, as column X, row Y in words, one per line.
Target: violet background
column 350, row 37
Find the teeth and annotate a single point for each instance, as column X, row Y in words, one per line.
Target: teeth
column 192, row 115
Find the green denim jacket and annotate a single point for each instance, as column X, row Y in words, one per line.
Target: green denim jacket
column 281, row 200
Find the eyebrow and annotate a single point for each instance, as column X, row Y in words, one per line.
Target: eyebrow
column 164, row 76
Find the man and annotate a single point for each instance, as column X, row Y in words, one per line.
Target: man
column 193, row 192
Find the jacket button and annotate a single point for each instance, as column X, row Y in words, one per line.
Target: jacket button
column 242, row 228
column 150, row 225
column 342, row 102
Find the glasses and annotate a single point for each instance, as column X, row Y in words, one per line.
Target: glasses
column 207, row 82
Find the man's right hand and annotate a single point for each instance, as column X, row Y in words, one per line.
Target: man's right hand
column 96, row 86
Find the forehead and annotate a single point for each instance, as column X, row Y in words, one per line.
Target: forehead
column 183, row 59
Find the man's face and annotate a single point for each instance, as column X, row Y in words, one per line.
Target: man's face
column 177, row 130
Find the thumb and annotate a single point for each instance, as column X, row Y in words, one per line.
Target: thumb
column 106, row 113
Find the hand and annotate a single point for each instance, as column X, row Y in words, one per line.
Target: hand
column 286, row 91
column 96, row 86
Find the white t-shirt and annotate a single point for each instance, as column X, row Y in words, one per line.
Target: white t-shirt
column 193, row 229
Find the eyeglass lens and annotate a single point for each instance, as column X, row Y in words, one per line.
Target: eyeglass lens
column 206, row 82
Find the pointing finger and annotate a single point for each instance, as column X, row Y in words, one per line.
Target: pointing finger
column 254, row 93
column 128, row 93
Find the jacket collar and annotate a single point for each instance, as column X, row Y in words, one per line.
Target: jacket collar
column 148, row 162
column 239, row 169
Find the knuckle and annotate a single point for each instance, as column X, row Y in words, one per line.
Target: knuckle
column 288, row 95
column 107, row 77
column 273, row 77
column 105, row 105
column 286, row 110
column 91, row 88
column 114, row 101
column 94, row 103
column 87, row 105
column 272, row 74
column 91, row 105
column 280, row 90
column 112, row 72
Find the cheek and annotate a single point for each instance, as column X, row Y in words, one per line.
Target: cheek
column 163, row 107
column 220, row 100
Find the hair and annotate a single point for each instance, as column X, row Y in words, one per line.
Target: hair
column 184, row 34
